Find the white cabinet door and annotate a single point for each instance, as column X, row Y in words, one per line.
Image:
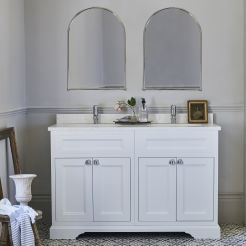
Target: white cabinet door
column 157, row 189
column 195, row 189
column 73, row 190
column 111, row 189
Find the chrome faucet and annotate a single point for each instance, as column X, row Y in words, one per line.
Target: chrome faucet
column 95, row 114
column 173, row 114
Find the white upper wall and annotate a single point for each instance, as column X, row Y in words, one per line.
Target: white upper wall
column 245, row 60
column 47, row 21
column 12, row 55
column 46, row 28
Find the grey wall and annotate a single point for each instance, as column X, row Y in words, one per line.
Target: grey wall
column 46, row 22
column 12, row 58
column 244, row 109
column 12, row 76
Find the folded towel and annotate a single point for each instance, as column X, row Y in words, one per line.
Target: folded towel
column 20, row 221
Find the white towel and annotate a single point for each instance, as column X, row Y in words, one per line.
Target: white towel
column 22, row 234
column 20, row 221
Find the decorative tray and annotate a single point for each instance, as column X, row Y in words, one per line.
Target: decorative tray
column 132, row 122
column 129, row 120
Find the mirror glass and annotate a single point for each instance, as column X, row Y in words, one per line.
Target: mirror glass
column 96, row 51
column 172, row 51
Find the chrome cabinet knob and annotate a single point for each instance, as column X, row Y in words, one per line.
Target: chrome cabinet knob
column 88, row 162
column 96, row 162
column 180, row 162
column 172, row 162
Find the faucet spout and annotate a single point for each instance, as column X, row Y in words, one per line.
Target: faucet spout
column 173, row 114
column 95, row 114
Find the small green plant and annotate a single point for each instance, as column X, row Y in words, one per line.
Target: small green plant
column 122, row 106
column 132, row 103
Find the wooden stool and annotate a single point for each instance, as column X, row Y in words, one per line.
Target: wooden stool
column 6, row 237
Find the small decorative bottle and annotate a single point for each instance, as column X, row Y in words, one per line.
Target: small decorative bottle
column 143, row 112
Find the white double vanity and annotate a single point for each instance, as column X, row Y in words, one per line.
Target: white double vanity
column 148, row 178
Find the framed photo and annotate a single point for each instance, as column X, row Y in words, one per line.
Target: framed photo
column 197, row 111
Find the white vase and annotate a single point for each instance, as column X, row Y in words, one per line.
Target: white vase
column 23, row 184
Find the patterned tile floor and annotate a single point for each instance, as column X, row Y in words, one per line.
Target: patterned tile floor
column 232, row 235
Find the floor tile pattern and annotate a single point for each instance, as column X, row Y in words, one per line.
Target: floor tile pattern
column 232, row 235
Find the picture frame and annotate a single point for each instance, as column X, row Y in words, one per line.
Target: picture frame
column 197, row 111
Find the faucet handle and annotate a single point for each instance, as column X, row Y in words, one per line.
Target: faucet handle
column 173, row 114
column 173, row 109
column 95, row 114
column 95, row 109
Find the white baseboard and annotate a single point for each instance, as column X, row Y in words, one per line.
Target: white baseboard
column 43, row 203
column 231, row 208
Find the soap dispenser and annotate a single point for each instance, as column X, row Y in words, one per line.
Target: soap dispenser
column 143, row 112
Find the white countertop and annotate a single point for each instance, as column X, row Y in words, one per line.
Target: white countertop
column 66, row 126
column 82, row 121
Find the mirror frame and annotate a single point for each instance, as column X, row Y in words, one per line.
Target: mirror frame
column 144, row 65
column 68, row 35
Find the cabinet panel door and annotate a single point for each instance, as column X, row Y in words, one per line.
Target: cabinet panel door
column 195, row 187
column 111, row 189
column 73, row 190
column 157, row 189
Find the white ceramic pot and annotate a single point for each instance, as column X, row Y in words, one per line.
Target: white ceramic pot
column 23, row 184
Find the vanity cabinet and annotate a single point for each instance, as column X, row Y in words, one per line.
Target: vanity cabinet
column 159, row 178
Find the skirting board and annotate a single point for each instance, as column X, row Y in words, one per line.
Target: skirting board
column 231, row 208
column 43, row 203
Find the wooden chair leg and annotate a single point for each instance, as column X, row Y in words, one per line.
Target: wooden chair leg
column 5, row 239
column 5, row 236
column 36, row 235
column 10, row 235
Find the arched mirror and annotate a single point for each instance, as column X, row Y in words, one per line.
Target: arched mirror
column 172, row 51
column 96, row 51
